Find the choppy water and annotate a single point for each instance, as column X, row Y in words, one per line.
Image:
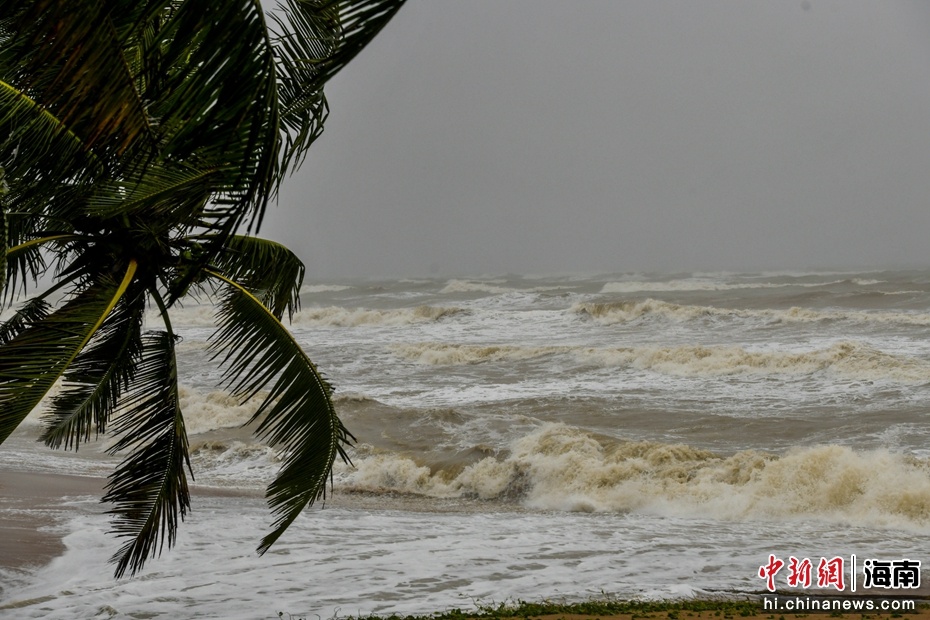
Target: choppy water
column 531, row 437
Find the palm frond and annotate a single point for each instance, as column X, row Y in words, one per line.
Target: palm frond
column 268, row 269
column 69, row 56
column 300, row 419
column 32, row 133
column 36, row 357
column 31, row 312
column 25, row 262
column 149, row 488
column 97, row 377
column 4, row 235
column 313, row 42
column 217, row 103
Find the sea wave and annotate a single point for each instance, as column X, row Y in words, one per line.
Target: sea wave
column 558, row 467
column 713, row 284
column 848, row 359
column 335, row 316
column 472, row 286
column 443, row 354
column 216, row 409
column 323, row 288
column 204, row 315
column 614, row 312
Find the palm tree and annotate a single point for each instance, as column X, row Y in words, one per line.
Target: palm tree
column 142, row 141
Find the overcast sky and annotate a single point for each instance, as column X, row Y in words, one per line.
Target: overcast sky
column 539, row 136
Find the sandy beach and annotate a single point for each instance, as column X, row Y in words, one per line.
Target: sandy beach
column 31, row 504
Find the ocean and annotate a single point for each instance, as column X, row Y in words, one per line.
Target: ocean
column 562, row 437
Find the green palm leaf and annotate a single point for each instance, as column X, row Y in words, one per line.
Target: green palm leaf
column 268, row 269
column 300, row 419
column 33, row 133
column 50, row 41
column 25, row 261
column 149, row 488
column 37, row 356
column 163, row 190
column 314, row 41
column 4, row 232
column 97, row 377
column 31, row 312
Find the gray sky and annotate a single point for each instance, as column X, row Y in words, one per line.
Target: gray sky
column 534, row 136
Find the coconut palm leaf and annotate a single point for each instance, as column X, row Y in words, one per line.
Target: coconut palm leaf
column 163, row 192
column 196, row 74
column 25, row 262
column 31, row 132
column 37, row 356
column 50, row 41
column 314, row 41
column 149, row 488
column 268, row 269
column 4, row 232
column 258, row 352
column 97, row 377
column 33, row 311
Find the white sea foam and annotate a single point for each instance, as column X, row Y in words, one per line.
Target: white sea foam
column 471, row 286
column 715, row 284
column 323, row 288
column 354, row 317
column 625, row 311
column 562, row 468
column 634, row 286
column 848, row 359
column 190, row 315
column 457, row 354
column 215, row 410
column 234, row 463
column 333, row 316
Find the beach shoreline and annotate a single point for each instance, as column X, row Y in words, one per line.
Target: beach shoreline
column 33, row 505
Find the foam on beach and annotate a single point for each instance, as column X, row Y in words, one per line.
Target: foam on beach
column 558, row 467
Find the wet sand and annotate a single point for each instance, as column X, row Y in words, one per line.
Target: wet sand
column 30, row 504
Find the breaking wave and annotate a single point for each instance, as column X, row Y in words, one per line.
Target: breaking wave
column 334, row 316
column 562, row 468
column 710, row 284
column 471, row 286
column 214, row 410
column 615, row 312
column 847, row 359
column 460, row 354
column 323, row 288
